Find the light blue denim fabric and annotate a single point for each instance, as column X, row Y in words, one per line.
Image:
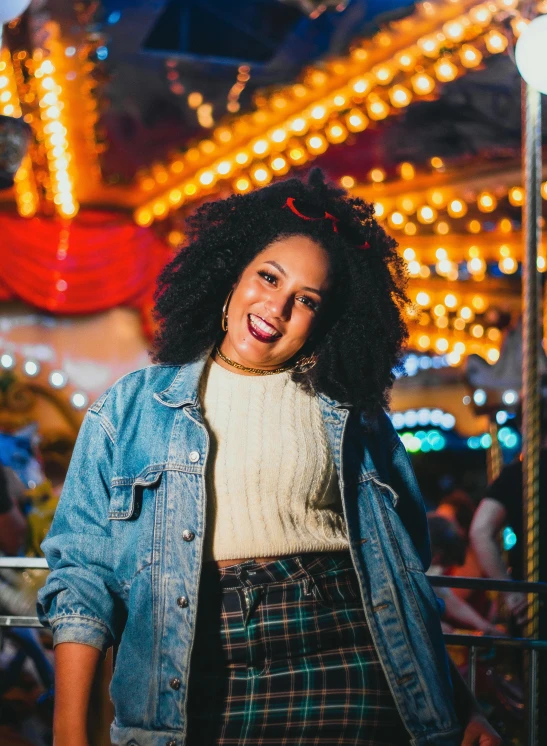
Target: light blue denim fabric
column 127, row 538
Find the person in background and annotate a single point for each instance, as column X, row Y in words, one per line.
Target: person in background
column 458, row 507
column 502, row 506
column 448, row 548
column 13, row 526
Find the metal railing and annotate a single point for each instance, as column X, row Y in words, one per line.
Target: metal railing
column 473, row 642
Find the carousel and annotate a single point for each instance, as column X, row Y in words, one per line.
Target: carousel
column 118, row 119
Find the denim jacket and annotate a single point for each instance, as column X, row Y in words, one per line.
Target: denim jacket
column 127, row 538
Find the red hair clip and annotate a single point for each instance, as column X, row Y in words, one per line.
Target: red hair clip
column 290, row 203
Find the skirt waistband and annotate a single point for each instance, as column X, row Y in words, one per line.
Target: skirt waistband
column 251, row 573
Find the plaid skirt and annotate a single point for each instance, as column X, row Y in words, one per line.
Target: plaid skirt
column 283, row 656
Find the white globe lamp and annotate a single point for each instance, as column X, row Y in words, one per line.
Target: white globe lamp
column 531, row 54
column 10, row 9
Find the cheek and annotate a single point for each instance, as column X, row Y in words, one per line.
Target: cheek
column 246, row 294
column 302, row 324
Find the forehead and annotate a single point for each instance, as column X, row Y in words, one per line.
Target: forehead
column 301, row 257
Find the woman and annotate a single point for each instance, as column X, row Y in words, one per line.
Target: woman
column 254, row 468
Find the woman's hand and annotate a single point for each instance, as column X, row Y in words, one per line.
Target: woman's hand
column 479, row 732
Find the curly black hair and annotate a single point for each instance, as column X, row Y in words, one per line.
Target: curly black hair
column 361, row 334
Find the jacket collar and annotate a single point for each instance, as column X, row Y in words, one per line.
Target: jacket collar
column 183, row 389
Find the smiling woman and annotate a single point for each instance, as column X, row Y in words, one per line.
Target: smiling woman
column 274, row 307
column 304, row 261
column 242, row 519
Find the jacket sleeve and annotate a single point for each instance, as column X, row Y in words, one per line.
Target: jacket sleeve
column 78, row 601
column 411, row 508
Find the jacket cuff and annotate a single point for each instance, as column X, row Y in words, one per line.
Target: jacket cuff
column 81, row 629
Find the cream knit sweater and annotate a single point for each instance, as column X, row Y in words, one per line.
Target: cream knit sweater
column 272, row 487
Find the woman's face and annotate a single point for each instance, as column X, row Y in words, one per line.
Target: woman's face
column 276, row 303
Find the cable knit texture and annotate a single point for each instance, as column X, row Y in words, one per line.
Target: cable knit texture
column 272, row 487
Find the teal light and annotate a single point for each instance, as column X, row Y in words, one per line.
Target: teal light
column 474, row 443
column 411, row 442
column 509, row 538
column 486, row 440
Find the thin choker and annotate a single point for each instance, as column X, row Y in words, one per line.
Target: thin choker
column 257, row 371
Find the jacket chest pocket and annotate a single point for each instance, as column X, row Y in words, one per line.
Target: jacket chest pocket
column 127, row 496
column 388, row 500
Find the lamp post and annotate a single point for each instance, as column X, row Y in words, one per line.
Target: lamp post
column 531, row 60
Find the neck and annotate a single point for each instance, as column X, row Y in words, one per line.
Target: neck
column 247, row 368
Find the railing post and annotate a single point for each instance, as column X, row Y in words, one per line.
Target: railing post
column 472, row 669
column 531, row 332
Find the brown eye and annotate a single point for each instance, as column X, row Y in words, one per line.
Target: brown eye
column 309, row 302
column 271, row 279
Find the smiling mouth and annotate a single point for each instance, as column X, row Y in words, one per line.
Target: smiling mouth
column 261, row 330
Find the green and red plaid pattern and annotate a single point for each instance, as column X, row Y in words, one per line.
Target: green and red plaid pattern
column 283, row 656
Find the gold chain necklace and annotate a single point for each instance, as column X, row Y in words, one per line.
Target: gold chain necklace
column 258, row 371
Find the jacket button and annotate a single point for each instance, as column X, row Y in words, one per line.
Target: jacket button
column 182, row 601
column 193, row 456
column 188, row 535
column 175, row 684
column 171, row 743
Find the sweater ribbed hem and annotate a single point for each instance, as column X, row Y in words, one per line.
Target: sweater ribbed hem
column 279, row 550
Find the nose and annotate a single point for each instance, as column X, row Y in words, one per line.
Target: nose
column 280, row 306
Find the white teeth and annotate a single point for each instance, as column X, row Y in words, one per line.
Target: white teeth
column 265, row 328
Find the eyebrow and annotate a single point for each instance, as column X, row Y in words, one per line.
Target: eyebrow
column 280, row 268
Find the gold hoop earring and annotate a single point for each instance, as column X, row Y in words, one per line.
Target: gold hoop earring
column 305, row 364
column 224, row 320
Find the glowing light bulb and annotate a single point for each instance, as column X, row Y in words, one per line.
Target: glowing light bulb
column 260, row 147
column 318, row 113
column 316, row 144
column 470, row 57
column 495, row 42
column 336, row 133
column 383, row 73
column 377, row 175
column 457, row 208
column 279, row 164
column 426, row 214
column 406, row 61
column 396, row 220
column 481, row 15
column 299, row 125
column 407, row 172
column 445, row 70
column 409, row 254
column 487, row 202
column 379, row 209
column 454, row 30
column 224, row 168
column 261, row 175
column 278, row 136
column 508, row 265
column 206, row 178
column 476, row 266
column 362, row 85
column 242, row 184
column 516, row 196
column 377, row 108
column 356, row 121
column 429, row 45
column 422, row 84
column 400, row 96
